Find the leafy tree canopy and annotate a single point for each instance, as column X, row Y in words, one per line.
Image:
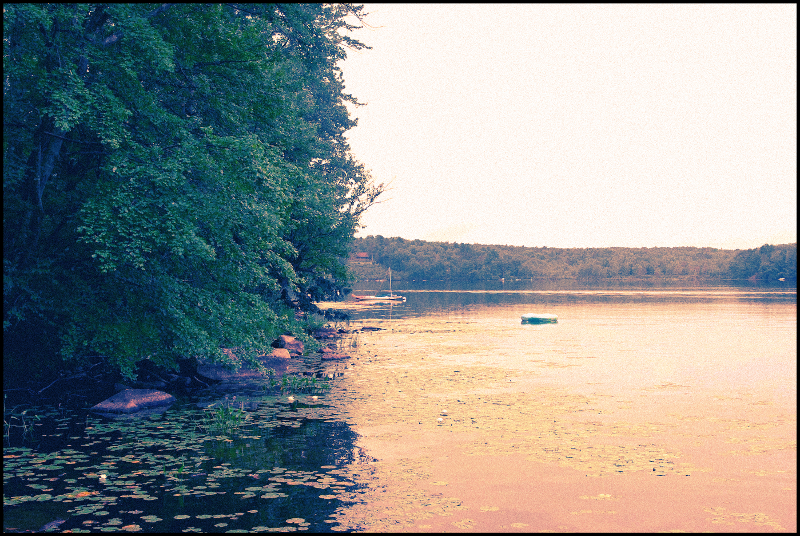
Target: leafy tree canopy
column 174, row 176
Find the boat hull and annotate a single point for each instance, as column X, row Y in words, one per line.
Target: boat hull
column 380, row 299
column 539, row 318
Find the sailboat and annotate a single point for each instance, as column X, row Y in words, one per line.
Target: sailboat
column 378, row 298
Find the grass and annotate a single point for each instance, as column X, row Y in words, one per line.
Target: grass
column 225, row 418
column 291, row 383
column 355, row 341
column 22, row 420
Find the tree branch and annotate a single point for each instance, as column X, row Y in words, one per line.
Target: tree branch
column 44, row 168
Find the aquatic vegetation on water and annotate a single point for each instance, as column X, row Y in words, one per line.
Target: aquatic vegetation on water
column 299, row 456
column 277, row 469
column 22, row 422
column 291, row 383
column 224, row 417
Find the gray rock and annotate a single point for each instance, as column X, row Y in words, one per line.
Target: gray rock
column 326, row 333
column 133, row 400
column 333, row 356
column 213, row 371
column 279, row 360
column 290, row 343
column 280, row 353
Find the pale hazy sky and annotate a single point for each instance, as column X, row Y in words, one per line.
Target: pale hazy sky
column 580, row 125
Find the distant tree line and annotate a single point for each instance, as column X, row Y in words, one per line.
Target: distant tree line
column 418, row 259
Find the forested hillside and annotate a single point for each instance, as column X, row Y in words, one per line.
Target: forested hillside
column 175, row 177
column 417, row 259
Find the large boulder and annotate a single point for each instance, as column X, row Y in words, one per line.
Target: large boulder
column 133, row 400
column 213, row 371
column 278, row 353
column 289, row 343
column 279, row 361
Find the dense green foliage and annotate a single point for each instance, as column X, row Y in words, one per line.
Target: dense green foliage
column 768, row 263
column 417, row 259
column 175, row 177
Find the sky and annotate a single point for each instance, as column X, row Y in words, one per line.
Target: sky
column 579, row 125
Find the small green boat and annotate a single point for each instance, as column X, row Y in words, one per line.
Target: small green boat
column 539, row 318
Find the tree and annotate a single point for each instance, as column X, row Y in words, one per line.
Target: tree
column 172, row 176
column 434, row 260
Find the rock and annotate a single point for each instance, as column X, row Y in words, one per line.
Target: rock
column 280, row 353
column 325, row 333
column 336, row 315
column 220, row 372
column 331, row 356
column 133, row 400
column 279, row 361
column 213, row 371
column 290, row 343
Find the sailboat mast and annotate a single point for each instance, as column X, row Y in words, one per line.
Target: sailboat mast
column 390, row 283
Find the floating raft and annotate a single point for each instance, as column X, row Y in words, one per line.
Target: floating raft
column 539, row 318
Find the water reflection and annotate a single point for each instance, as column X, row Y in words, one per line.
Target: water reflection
column 284, row 470
column 424, row 301
column 575, row 284
column 646, row 401
column 710, row 362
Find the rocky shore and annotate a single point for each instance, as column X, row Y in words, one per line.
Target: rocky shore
column 96, row 388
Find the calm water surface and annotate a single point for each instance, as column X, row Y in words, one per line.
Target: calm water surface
column 665, row 383
column 625, row 338
column 638, row 404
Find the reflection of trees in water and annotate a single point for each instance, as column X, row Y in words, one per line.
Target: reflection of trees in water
column 314, row 444
column 423, row 301
column 302, row 449
column 305, row 446
column 260, row 477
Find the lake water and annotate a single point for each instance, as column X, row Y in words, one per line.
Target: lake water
column 618, row 339
column 643, row 409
